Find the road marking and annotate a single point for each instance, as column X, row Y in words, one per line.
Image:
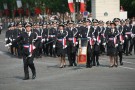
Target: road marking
column 127, row 67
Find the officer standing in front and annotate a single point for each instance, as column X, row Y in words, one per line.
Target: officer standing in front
column 29, row 40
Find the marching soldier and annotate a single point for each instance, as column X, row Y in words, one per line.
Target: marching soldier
column 1, row 27
column 61, row 45
column 29, row 40
column 71, row 40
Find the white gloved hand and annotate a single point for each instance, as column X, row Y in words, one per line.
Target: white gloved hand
column 76, row 43
column 34, row 47
column 126, row 36
column 7, row 45
column 104, row 44
column 30, row 55
column 132, row 35
column 99, row 41
column 116, row 45
column 10, row 44
column 6, row 39
column 53, row 46
column 123, row 41
column 94, row 39
column 47, row 39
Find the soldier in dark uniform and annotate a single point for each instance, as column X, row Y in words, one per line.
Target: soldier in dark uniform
column 71, row 40
column 1, row 27
column 29, row 40
column 121, row 39
column 127, row 34
column 132, row 37
column 102, row 36
column 61, row 45
column 18, row 32
column 39, row 32
column 44, row 38
column 54, row 29
column 112, row 44
column 97, row 38
column 86, row 33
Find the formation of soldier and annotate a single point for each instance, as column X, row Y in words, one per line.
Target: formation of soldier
column 54, row 39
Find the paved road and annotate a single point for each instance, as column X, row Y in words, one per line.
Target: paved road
column 50, row 77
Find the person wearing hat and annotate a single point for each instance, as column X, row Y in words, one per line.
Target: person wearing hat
column 86, row 33
column 121, row 41
column 51, row 38
column 132, row 36
column 97, row 38
column 38, row 30
column 71, row 47
column 127, row 34
column 44, row 38
column 112, row 44
column 18, row 31
column 61, row 44
column 102, row 29
column 29, row 41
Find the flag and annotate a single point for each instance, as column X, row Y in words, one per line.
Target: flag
column 98, row 39
column 82, row 6
column 74, row 40
column 91, row 41
column 71, row 6
column 37, row 10
column 31, row 49
column 115, row 40
column 64, row 43
column 121, row 38
column 19, row 3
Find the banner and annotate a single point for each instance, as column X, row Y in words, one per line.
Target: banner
column 71, row 6
column 19, row 3
column 82, row 6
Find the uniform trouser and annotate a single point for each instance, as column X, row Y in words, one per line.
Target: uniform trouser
column 50, row 46
column 89, row 59
column 28, row 62
column 20, row 50
column 126, row 46
column 132, row 45
column 120, row 56
column 102, row 48
column 0, row 31
column 95, row 58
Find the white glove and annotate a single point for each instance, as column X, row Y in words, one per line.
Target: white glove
column 47, row 39
column 53, row 46
column 7, row 45
column 34, row 47
column 126, row 36
column 132, row 35
column 76, row 43
column 123, row 41
column 6, row 39
column 104, row 44
column 10, row 44
column 94, row 39
column 42, row 40
column 30, row 55
column 116, row 45
column 99, row 41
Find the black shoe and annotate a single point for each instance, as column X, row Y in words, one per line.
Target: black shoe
column 94, row 64
column 111, row 66
column 121, row 63
column 89, row 66
column 33, row 76
column 70, row 65
column 116, row 65
column 130, row 53
column 75, row 64
column 26, row 78
column 98, row 64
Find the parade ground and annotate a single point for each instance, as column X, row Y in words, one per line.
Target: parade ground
column 51, row 77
